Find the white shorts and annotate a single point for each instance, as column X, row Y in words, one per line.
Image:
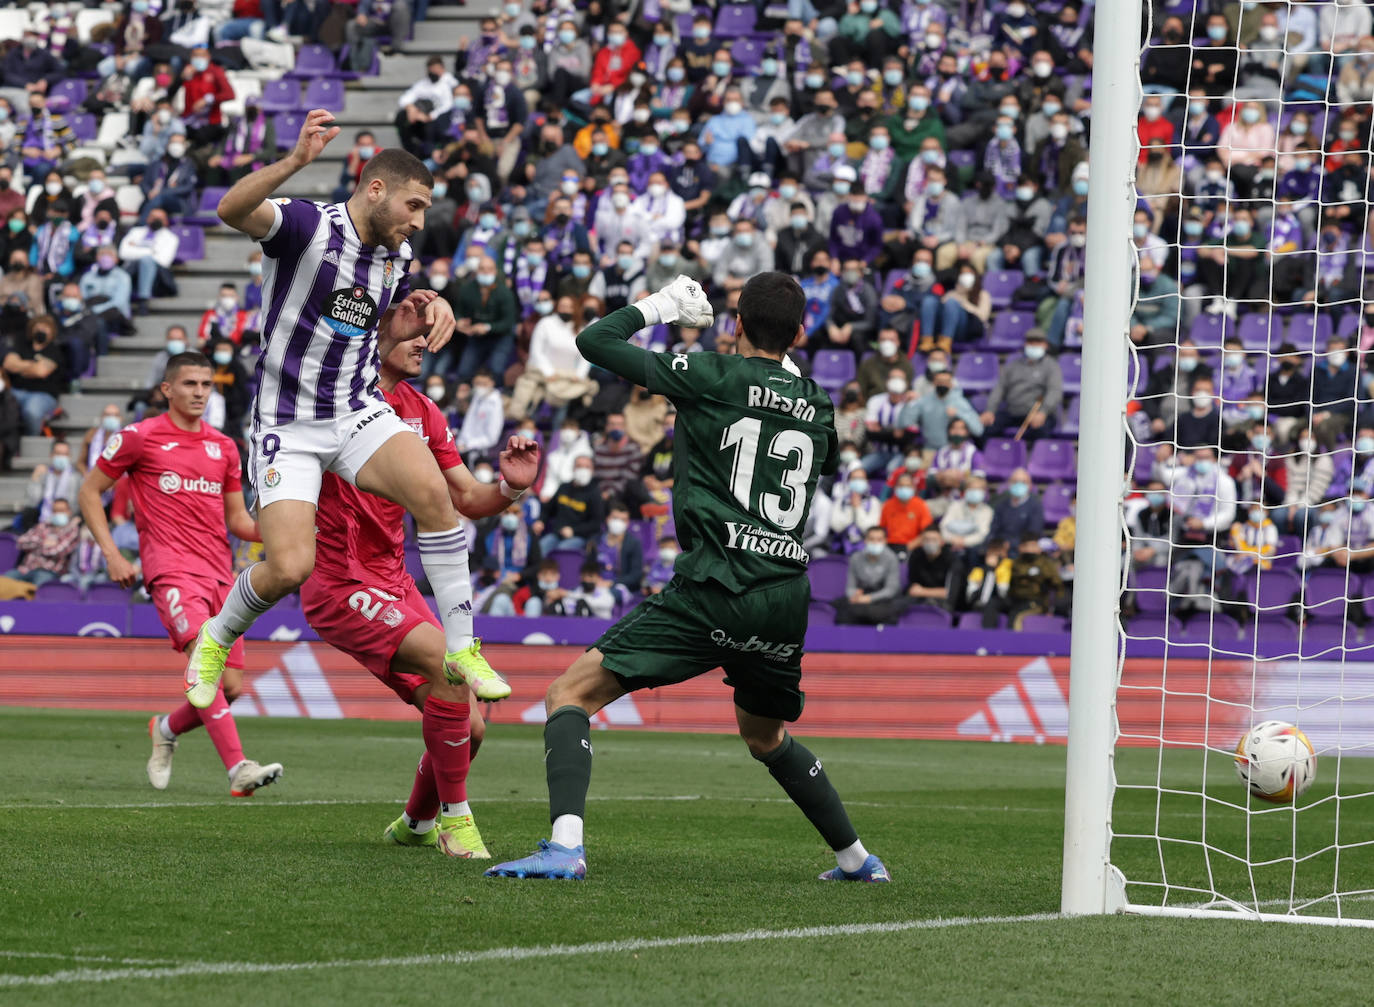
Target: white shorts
column 288, row 462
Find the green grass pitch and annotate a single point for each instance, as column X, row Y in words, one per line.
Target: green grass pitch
column 112, row 893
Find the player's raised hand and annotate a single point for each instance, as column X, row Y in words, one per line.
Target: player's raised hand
column 682, row 301
column 315, row 136
column 520, row 462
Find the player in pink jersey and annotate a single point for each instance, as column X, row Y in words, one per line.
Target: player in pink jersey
column 186, row 486
column 361, row 599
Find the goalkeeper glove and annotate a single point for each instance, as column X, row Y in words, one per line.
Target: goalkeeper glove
column 682, row 301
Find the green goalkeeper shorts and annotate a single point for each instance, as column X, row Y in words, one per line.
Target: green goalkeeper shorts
column 692, row 628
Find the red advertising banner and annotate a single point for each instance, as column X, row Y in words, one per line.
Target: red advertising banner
column 975, row 698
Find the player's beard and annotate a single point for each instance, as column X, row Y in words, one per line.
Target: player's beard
column 386, row 226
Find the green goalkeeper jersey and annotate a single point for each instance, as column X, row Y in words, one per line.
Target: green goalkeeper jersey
column 751, row 442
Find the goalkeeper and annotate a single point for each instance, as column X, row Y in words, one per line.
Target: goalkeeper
column 753, row 437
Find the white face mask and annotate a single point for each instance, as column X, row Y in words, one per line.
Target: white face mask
column 582, row 477
column 486, row 476
column 887, row 348
column 176, row 149
column 567, row 437
column 502, row 77
column 967, row 280
column 617, row 526
column 896, row 386
column 435, row 392
column 658, row 190
column 733, row 108
column 227, row 304
column 53, row 188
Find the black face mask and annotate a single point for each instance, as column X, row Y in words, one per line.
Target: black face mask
column 17, row 267
column 1287, row 367
column 565, row 315
column 851, row 396
column 561, row 220
column 942, row 390
column 434, row 78
column 251, row 115
column 589, row 586
column 5, row 183
column 156, row 225
column 819, row 270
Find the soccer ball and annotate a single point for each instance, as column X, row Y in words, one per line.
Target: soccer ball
column 1276, row 761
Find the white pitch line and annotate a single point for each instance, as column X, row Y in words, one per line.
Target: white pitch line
column 609, row 799
column 509, row 954
column 87, row 958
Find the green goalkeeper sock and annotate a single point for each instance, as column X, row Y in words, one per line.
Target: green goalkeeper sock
column 568, row 761
column 803, row 778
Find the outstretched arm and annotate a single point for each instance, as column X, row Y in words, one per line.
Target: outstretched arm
column 245, row 207
column 519, row 466
column 604, row 342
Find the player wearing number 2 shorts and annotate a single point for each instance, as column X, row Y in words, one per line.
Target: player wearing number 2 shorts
column 361, row 600
column 753, row 438
column 184, row 475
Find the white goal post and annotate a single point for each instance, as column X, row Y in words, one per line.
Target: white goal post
column 1310, row 861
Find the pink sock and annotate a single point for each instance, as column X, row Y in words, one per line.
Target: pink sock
column 219, row 722
column 424, row 796
column 446, row 731
column 184, row 718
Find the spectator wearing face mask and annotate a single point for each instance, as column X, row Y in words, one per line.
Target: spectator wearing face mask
column 873, row 587
column 169, row 184
column 250, row 143
column 1200, row 424
column 1204, row 501
column 81, row 333
column 482, row 422
column 21, row 287
column 46, row 549
column 1155, row 319
column 226, row 320
column 486, row 316
column 619, row 551
column 111, row 419
column 1309, row 473
column 148, row 252
column 1018, row 512
column 967, row 518
column 618, row 458
column 107, row 289
column 930, row 569
column 231, row 382
column 1253, row 541
column 1326, row 535
column 937, row 410
column 875, row 369
column 570, row 444
column 853, row 315
column 205, row 88
column 57, row 481
column 176, row 342
column 963, row 313
column 573, row 516
column 37, row 373
column 856, row 509
column 904, row 515
column 746, row 255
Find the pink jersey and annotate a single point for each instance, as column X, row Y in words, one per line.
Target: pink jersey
column 178, row 478
column 361, row 537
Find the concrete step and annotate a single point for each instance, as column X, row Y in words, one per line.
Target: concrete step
column 34, row 446
column 12, row 492
column 121, row 367
column 116, row 389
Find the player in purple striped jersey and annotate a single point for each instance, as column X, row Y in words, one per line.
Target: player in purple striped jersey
column 334, row 277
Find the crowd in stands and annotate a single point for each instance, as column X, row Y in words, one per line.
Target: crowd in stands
column 922, row 166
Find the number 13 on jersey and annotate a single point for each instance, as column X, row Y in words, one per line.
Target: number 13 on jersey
column 791, row 451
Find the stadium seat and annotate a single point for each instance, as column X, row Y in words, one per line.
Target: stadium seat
column 1211, row 628
column 72, row 90
column 281, row 96
column 1210, row 330
column 832, row 368
column 314, row 60
column 1309, row 332
column 569, row 566
column 1273, row 590
column 961, row 159
column 1001, row 284
column 1071, row 366
column 827, row 576
column 1149, row 587
column 192, row 242
column 1324, row 640
column 1055, row 501
column 84, row 127
column 1069, row 424
column 9, row 551
column 107, row 594
column 1052, row 461
column 1008, row 332
column 324, row 92
column 1258, row 330
column 924, row 617
column 820, row 614
column 1043, row 624
column 57, row 592
column 1324, row 595
column 974, row 621
column 735, row 20
column 747, row 53
column 1155, row 627
column 976, row 372
column 207, row 209
column 1002, row 457
column 1350, row 324
column 288, row 126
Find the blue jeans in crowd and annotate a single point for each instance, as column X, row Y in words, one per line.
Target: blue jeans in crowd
column 553, row 542
column 1031, row 261
column 35, row 406
column 147, row 272
column 491, row 352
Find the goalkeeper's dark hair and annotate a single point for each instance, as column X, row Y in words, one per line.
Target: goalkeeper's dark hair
column 191, row 358
column 771, row 306
column 395, row 166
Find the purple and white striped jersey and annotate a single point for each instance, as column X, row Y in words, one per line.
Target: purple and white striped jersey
column 323, row 296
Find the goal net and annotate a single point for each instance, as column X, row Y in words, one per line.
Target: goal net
column 1225, row 332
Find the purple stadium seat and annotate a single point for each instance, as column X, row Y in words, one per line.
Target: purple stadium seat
column 315, row 61
column 280, row 96
column 735, row 20
column 1272, row 590
column 974, row 621
column 1324, row 640
column 1069, row 425
column 56, row 591
column 288, row 126
column 1326, row 592
column 569, row 566
column 84, row 127
column 1155, row 627
column 827, row 576
column 1350, row 324
column 1210, row 330
column 1217, row 630
column 107, row 594
column 1149, row 587
column 1009, row 330
column 1001, row 284
column 9, row 551
column 324, row 92
column 1309, row 332
column 1258, row 331
column 73, row 89
column 819, row 614
column 206, row 212
column 1052, row 461
column 1071, row 366
column 192, row 242
column 747, row 54
column 976, row 372
column 960, row 159
column 1043, row 624
column 832, row 368
column 1002, row 457
column 1055, row 501
column 924, row 617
